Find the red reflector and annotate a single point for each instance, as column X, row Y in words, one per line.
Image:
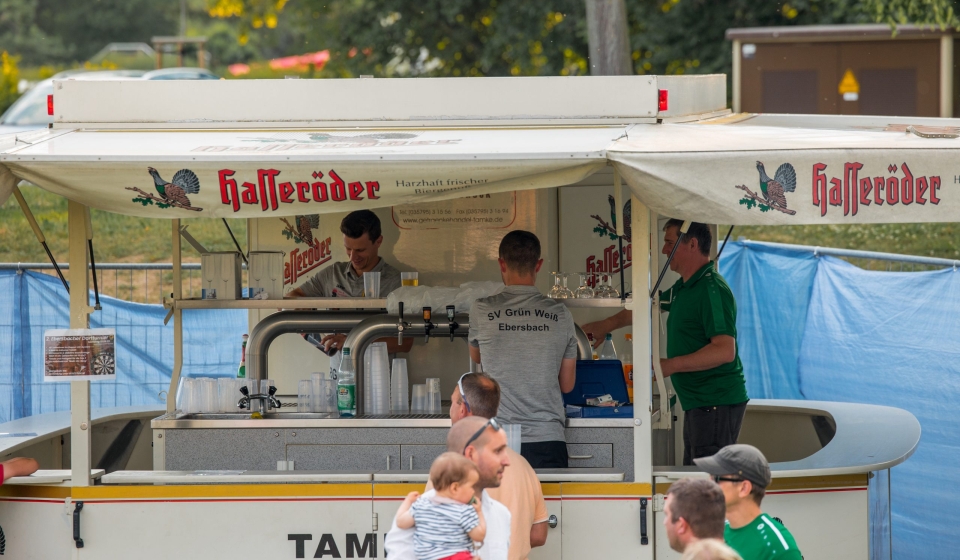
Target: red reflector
column 662, row 99
column 50, row 105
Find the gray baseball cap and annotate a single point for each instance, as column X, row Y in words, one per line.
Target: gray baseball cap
column 739, row 459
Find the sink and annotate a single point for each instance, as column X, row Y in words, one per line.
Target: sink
column 266, row 416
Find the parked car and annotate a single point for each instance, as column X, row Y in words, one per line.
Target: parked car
column 30, row 111
column 182, row 73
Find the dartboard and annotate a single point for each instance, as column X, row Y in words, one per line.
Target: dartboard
column 103, row 365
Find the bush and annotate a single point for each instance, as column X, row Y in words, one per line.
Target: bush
column 9, row 76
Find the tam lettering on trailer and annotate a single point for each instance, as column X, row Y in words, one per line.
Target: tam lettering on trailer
column 269, row 194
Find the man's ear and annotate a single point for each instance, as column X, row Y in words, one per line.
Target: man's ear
column 539, row 264
column 745, row 488
column 378, row 242
column 503, row 265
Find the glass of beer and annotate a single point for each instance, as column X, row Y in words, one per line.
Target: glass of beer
column 409, row 279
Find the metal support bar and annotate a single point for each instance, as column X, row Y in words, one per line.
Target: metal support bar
column 235, row 242
column 39, row 234
column 177, row 322
column 725, row 239
column 683, row 230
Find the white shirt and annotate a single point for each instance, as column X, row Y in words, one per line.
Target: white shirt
column 399, row 542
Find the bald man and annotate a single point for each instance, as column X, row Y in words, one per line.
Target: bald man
column 486, row 447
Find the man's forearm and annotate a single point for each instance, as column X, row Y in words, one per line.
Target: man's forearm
column 721, row 350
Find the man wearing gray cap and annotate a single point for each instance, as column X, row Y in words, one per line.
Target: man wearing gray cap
column 743, row 474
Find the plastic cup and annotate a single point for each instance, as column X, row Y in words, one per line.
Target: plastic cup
column 418, row 404
column 513, row 435
column 305, row 396
column 227, row 394
column 432, row 405
column 371, row 284
column 409, row 279
column 399, row 387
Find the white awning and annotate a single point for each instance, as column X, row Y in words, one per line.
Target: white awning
column 253, row 173
column 818, row 169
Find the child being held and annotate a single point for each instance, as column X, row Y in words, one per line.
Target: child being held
column 450, row 522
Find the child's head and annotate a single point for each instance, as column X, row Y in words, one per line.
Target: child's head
column 454, row 476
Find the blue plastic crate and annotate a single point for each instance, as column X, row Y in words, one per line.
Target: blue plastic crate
column 596, row 378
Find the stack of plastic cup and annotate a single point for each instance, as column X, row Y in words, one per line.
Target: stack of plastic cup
column 399, row 392
column 209, row 395
column 513, row 435
column 433, row 395
column 228, row 393
column 187, row 401
column 376, row 378
column 418, row 405
column 305, row 395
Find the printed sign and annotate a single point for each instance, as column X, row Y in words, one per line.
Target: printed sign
column 78, row 354
column 485, row 211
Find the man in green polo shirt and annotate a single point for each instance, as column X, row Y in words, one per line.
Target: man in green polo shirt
column 743, row 474
column 702, row 358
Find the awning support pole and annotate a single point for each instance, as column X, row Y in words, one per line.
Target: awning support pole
column 93, row 263
column 36, row 231
column 725, row 239
column 683, row 230
column 80, row 441
column 235, row 242
column 642, row 434
column 177, row 322
column 620, row 225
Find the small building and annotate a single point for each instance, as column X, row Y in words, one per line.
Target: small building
column 845, row 70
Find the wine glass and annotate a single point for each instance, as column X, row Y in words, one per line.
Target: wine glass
column 608, row 290
column 584, row 290
column 557, row 288
column 564, row 292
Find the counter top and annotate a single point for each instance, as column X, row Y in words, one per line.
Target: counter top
column 868, row 438
column 57, row 477
column 233, row 477
column 24, row 432
column 303, row 477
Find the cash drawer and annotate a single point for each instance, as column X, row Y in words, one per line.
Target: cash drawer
column 590, row 455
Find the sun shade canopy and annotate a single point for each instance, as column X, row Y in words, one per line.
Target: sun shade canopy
column 792, row 169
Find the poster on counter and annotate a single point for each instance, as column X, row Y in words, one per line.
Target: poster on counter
column 79, row 354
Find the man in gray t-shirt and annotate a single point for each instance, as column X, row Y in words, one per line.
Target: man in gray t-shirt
column 362, row 239
column 526, row 341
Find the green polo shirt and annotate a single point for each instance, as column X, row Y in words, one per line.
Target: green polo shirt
column 764, row 538
column 701, row 308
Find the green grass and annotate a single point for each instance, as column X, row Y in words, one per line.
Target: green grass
column 928, row 240
column 116, row 238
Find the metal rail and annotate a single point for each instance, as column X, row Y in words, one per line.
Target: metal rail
column 855, row 254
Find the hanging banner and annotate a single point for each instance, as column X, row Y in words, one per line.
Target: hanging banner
column 78, row 354
column 190, row 174
column 755, row 175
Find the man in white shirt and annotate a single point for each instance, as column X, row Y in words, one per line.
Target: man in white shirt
column 485, row 444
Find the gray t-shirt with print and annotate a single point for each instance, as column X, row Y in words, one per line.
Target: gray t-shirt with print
column 523, row 336
column 340, row 280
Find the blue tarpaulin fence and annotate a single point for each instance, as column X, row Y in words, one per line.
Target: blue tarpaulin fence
column 819, row 328
column 31, row 303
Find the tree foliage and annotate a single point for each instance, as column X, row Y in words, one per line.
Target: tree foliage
column 547, row 37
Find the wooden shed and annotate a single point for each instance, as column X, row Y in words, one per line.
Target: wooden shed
column 845, row 70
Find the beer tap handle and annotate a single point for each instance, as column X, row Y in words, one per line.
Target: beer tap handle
column 400, row 326
column 427, row 325
column 451, row 322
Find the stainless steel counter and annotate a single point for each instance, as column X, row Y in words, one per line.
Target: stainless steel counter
column 319, row 420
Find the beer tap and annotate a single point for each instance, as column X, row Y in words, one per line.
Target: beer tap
column 427, row 324
column 451, row 321
column 401, row 325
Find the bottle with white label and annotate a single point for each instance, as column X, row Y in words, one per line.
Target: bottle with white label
column 347, row 387
column 607, row 351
